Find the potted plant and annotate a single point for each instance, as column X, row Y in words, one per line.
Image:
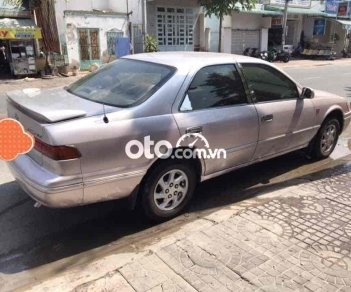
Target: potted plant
column 151, row 44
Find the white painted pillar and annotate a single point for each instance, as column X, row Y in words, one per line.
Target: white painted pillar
column 264, row 39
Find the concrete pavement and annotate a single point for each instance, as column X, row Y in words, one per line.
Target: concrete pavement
column 292, row 236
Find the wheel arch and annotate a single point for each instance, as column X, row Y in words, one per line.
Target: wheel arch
column 198, row 163
column 337, row 113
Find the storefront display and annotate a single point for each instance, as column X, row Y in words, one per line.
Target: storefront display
column 18, row 33
column 18, row 37
column 23, row 57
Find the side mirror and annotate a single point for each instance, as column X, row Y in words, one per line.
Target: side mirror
column 307, row 93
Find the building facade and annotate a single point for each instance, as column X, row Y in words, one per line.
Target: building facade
column 88, row 29
column 308, row 23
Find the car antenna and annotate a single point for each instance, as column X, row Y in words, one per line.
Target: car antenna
column 105, row 119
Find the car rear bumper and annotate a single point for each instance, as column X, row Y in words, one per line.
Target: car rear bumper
column 59, row 191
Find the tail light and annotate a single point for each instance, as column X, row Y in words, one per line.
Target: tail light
column 56, row 152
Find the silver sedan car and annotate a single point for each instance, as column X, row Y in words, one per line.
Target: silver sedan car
column 152, row 126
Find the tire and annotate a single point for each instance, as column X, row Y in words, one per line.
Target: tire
column 324, row 144
column 158, row 209
column 286, row 59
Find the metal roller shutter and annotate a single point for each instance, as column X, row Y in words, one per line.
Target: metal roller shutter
column 242, row 39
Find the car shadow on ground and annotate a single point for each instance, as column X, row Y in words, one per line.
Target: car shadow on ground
column 60, row 233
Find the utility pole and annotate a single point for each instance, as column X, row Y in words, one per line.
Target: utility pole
column 144, row 28
column 285, row 20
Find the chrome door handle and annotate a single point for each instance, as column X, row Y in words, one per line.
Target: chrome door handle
column 267, row 118
column 193, row 130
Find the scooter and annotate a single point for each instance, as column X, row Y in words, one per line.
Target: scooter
column 247, row 52
column 254, row 52
column 275, row 55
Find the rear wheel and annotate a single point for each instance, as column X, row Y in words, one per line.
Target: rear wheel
column 167, row 189
column 286, row 59
column 326, row 139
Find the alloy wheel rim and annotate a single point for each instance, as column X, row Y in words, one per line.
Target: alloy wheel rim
column 171, row 190
column 328, row 139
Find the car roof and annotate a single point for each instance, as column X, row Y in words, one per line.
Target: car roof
column 191, row 59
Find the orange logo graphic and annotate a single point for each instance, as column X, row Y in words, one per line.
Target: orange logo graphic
column 13, row 140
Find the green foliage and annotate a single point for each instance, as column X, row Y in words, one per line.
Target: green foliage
column 151, row 44
column 220, row 8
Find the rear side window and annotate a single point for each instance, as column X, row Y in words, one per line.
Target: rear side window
column 268, row 84
column 122, row 83
column 214, row 86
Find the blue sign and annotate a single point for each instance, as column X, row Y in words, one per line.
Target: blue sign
column 122, row 47
column 319, row 27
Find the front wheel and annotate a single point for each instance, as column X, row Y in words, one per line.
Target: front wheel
column 326, row 139
column 167, row 189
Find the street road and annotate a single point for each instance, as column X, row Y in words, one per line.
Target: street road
column 335, row 78
column 31, row 238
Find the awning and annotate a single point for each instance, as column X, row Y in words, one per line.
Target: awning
column 12, row 28
column 346, row 24
column 301, row 11
column 262, row 12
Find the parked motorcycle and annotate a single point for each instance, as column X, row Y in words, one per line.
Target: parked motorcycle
column 254, row 52
column 264, row 55
column 275, row 55
column 247, row 52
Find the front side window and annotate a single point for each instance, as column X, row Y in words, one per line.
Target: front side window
column 122, row 83
column 214, row 86
column 268, row 84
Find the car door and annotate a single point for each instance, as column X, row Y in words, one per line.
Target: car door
column 214, row 103
column 287, row 122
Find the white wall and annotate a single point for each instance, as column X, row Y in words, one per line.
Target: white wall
column 246, row 21
column 249, row 21
column 264, row 39
column 212, row 23
column 104, row 23
column 88, row 5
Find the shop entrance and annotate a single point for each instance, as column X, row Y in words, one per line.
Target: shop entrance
column 4, row 59
column 275, row 37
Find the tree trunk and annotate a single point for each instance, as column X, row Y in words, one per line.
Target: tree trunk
column 220, row 34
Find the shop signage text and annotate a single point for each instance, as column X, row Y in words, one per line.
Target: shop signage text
column 292, row 3
column 17, row 33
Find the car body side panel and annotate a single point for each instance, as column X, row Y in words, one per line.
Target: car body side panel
column 293, row 124
column 324, row 107
column 233, row 128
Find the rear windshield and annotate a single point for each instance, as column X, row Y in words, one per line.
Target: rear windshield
column 122, row 83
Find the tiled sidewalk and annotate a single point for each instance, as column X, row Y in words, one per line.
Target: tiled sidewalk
column 296, row 238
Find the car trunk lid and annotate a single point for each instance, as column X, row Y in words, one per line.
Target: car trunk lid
column 36, row 109
column 53, row 105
